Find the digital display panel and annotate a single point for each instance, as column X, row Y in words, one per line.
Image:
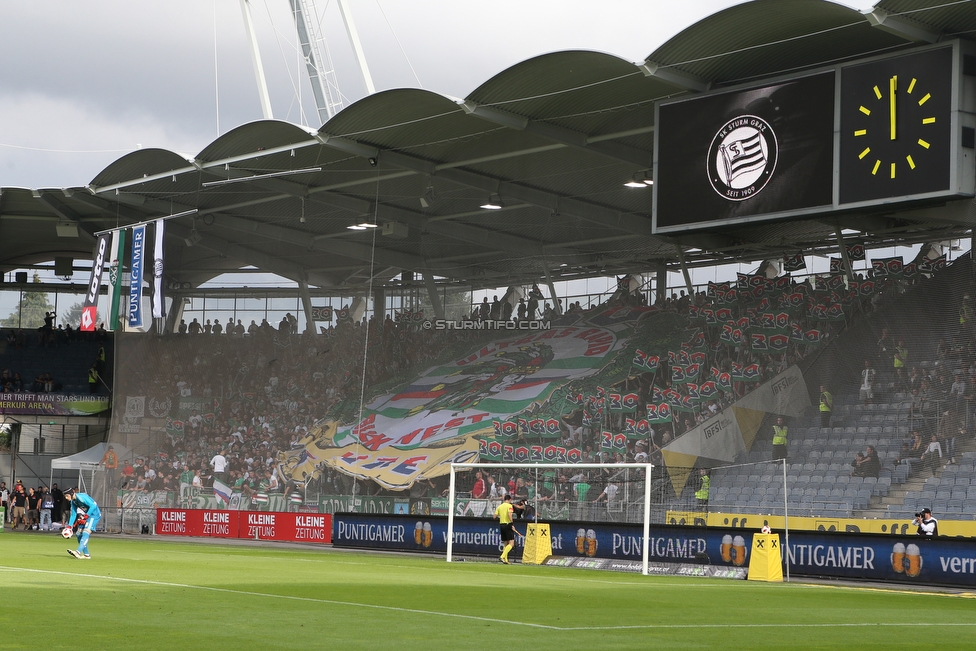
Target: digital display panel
column 745, row 154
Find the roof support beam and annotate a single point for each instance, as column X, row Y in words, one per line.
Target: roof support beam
column 243, row 254
column 344, row 247
column 554, row 202
column 675, row 77
column 224, row 248
column 900, row 26
column 616, row 151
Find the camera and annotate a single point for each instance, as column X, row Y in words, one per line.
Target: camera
column 918, row 516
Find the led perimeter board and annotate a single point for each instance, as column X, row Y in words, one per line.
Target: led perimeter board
column 890, row 129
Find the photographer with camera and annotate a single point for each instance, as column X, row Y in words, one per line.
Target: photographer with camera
column 927, row 525
column 524, row 511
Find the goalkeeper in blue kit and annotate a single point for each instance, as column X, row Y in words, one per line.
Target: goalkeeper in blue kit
column 85, row 514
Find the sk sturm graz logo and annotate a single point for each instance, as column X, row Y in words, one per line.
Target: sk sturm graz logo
column 742, row 157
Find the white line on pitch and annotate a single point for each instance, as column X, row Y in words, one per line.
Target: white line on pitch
column 282, row 596
column 475, row 617
column 816, row 625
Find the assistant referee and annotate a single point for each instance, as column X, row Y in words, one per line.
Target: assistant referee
column 504, row 516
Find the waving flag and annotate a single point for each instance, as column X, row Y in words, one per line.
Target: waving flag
column 677, row 374
column 724, row 382
column 750, row 373
column 659, row 413
column 778, row 342
column 222, row 492
column 855, row 252
column 794, row 263
column 887, row 267
column 708, row 390
column 645, row 362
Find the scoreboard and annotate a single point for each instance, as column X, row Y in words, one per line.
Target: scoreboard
column 891, row 129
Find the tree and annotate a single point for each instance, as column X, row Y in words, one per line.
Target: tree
column 31, row 309
column 73, row 315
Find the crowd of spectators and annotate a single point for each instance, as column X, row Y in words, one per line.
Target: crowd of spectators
column 34, row 509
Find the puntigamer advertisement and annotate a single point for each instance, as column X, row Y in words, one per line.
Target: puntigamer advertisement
column 947, row 561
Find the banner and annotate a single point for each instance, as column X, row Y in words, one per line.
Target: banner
column 256, row 525
column 718, row 438
column 158, row 308
column 784, row 395
column 135, row 277
column 115, row 277
column 52, row 404
column 418, row 429
column 89, row 311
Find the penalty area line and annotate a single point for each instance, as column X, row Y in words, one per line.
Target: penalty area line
column 249, row 593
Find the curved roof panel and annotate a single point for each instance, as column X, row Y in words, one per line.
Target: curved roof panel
column 254, row 136
column 769, row 38
column 141, row 163
column 951, row 19
column 554, row 137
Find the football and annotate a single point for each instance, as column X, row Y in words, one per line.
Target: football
column 66, row 532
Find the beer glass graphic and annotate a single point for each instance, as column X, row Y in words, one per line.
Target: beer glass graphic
column 898, row 557
column 428, row 534
column 739, row 550
column 581, row 541
column 914, row 557
column 418, row 533
column 590, row 542
column 726, row 548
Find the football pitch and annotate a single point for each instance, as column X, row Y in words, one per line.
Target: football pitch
column 147, row 593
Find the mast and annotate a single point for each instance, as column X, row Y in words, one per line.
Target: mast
column 263, row 94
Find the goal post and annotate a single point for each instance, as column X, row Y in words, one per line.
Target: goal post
column 610, row 492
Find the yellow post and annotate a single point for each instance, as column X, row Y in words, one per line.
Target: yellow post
column 538, row 544
column 765, row 562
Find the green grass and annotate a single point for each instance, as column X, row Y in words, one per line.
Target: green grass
column 147, row 593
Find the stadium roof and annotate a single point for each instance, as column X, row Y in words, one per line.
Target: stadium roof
column 554, row 137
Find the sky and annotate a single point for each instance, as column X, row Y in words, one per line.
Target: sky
column 84, row 83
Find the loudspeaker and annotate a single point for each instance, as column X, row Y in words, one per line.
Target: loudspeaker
column 67, row 230
column 63, row 266
column 21, row 276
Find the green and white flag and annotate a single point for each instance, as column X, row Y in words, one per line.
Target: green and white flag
column 116, row 255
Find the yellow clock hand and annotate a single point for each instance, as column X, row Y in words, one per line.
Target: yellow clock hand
column 892, row 87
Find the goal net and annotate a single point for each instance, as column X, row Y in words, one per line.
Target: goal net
column 552, row 492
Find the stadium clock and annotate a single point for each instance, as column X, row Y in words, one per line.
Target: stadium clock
column 895, row 116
